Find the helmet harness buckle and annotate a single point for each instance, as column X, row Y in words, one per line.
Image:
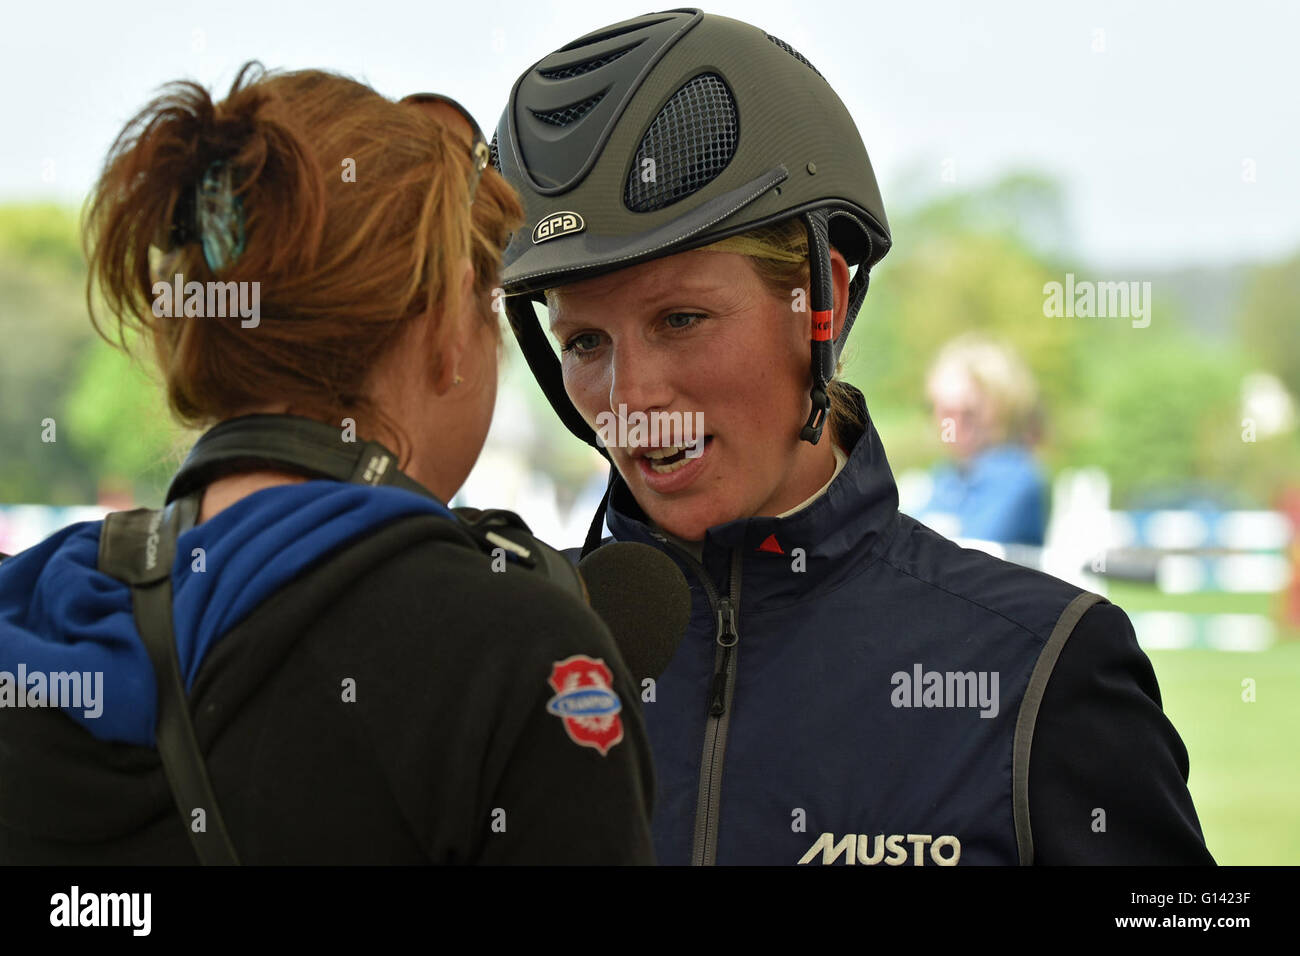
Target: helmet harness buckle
column 822, row 334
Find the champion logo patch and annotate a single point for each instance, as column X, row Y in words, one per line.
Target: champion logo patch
column 586, row 703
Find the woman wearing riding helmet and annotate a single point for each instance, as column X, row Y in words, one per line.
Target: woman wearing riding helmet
column 853, row 687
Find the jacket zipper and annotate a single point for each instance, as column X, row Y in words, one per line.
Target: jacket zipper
column 727, row 638
column 722, row 689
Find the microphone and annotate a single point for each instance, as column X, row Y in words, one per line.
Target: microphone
column 643, row 598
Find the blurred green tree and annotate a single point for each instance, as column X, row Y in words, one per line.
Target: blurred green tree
column 1269, row 319
column 123, row 424
column 43, row 327
column 109, row 433
column 1154, row 406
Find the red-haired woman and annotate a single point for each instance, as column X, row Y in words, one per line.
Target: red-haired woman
column 312, row 266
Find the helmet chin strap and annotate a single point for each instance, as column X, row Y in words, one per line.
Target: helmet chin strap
column 822, row 343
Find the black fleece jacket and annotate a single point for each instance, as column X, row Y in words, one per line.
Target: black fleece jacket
column 448, row 754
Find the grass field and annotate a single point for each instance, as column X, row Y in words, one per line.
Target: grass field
column 1244, row 757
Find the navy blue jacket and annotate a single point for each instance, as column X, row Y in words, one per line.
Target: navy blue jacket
column 855, row 688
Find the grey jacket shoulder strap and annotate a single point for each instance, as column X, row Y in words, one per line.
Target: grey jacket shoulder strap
column 1028, row 717
column 139, row 547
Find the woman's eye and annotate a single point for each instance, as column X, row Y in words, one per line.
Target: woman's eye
column 686, row 316
column 581, row 344
column 585, row 343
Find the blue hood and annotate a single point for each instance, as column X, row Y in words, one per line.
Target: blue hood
column 59, row 614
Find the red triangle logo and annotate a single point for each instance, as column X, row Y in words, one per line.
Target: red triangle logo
column 769, row 544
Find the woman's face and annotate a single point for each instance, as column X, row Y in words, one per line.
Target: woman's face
column 963, row 413
column 697, row 332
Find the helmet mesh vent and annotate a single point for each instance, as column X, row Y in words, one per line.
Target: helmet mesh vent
column 690, row 142
column 795, row 53
column 579, row 69
column 569, row 114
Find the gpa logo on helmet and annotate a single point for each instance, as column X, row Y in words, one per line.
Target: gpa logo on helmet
column 585, row 701
column 558, row 224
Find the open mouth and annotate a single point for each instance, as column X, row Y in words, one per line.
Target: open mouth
column 666, row 460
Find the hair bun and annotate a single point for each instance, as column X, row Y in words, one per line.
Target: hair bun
column 209, row 209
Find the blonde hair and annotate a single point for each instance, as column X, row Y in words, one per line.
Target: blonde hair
column 1002, row 378
column 779, row 254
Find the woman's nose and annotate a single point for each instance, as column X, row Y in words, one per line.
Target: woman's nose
column 639, row 378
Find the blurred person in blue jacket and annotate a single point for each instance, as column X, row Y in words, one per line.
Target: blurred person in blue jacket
column 985, row 401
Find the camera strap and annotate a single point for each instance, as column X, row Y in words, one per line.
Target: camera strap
column 138, row 547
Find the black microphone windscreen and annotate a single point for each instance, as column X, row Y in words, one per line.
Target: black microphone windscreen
column 642, row 596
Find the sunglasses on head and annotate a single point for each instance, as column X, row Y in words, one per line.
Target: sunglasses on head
column 478, row 151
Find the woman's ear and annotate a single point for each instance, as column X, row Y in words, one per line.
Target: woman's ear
column 840, row 282
column 451, row 336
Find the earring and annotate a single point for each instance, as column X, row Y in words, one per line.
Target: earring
column 457, row 380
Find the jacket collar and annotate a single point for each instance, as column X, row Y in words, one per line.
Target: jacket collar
column 838, row 533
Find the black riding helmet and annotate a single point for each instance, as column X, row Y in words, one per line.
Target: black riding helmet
column 668, row 132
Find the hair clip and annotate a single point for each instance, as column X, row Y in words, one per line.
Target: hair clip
column 219, row 217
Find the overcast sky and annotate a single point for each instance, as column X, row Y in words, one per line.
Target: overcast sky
column 1154, row 114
